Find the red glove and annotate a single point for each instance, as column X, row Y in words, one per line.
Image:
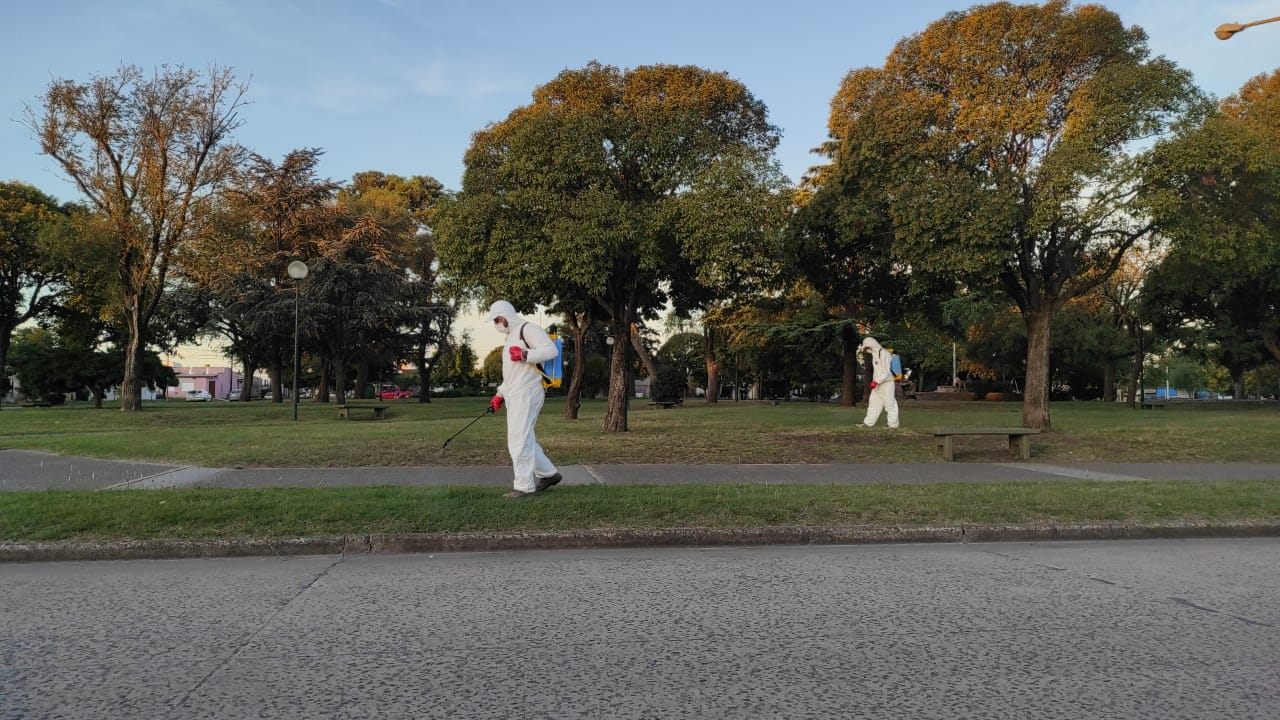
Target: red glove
column 517, row 353
column 495, row 404
column 873, row 384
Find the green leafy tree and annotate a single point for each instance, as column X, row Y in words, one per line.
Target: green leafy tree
column 147, row 153
column 841, row 240
column 48, row 368
column 30, row 281
column 456, row 366
column 1007, row 133
column 491, row 371
column 602, row 189
column 1126, row 293
column 1211, row 310
column 359, row 297
column 684, row 351
column 406, row 207
column 1221, row 208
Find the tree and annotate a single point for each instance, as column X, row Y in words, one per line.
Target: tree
column 840, row 241
column 268, row 215
column 1221, row 209
column 1124, row 292
column 1007, row 134
column 1214, row 311
column 29, row 278
column 603, row 188
column 147, row 154
column 407, row 208
column 684, row 351
column 48, row 367
column 359, row 297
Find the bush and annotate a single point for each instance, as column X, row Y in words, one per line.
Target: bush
column 670, row 385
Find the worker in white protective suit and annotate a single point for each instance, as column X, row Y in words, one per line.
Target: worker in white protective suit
column 883, row 387
column 521, row 390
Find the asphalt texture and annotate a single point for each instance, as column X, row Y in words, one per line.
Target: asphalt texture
column 1166, row 630
column 27, row 470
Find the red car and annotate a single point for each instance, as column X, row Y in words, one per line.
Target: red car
column 395, row 394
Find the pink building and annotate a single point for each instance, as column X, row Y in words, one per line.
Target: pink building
column 220, row 382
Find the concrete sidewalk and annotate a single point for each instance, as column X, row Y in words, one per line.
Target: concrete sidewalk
column 25, row 470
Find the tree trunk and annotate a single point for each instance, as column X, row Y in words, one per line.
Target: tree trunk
column 573, row 400
column 1109, row 383
column 340, row 380
column 246, row 385
column 1035, row 403
column 5, row 335
column 1271, row 340
column 424, row 380
column 1135, row 364
column 643, row 353
column 849, row 378
column 135, row 345
column 362, row 379
column 849, row 395
column 1135, row 372
column 615, row 418
column 713, row 367
column 322, row 392
column 276, row 372
column 424, row 370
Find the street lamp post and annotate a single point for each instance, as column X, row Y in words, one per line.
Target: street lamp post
column 297, row 271
column 1226, row 30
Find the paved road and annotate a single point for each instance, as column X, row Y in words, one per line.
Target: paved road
column 1153, row 629
column 27, row 470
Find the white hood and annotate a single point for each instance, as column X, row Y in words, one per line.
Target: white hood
column 869, row 343
column 502, row 308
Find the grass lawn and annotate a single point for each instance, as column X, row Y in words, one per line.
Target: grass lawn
column 293, row 512
column 264, row 434
column 261, row 434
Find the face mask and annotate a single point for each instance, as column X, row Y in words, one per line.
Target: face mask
column 504, row 329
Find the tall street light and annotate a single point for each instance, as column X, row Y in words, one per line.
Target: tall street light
column 297, row 271
column 1226, row 30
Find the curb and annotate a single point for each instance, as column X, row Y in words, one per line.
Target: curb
column 161, row 549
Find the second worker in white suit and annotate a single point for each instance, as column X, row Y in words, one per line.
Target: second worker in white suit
column 526, row 346
column 883, row 388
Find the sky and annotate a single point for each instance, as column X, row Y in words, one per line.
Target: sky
column 399, row 86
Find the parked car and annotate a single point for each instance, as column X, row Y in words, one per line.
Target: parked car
column 198, row 396
column 395, row 394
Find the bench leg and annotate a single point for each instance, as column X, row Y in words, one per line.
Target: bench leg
column 342, row 413
column 378, row 413
column 1020, row 446
column 948, row 449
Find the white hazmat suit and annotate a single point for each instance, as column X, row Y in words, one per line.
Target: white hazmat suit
column 883, row 391
column 522, row 391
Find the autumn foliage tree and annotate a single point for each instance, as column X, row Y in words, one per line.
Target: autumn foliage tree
column 407, row 207
column 1006, row 134
column 147, row 154
column 609, row 188
column 268, row 215
column 1221, row 208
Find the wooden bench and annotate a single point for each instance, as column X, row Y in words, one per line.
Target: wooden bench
column 664, row 405
column 379, row 411
column 1019, row 439
column 1150, row 404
